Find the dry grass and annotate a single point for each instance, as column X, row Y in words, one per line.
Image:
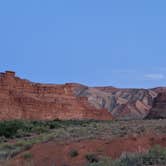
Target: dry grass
column 84, row 130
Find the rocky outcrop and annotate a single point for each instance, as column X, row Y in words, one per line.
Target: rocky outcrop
column 158, row 110
column 22, row 99
column 122, row 103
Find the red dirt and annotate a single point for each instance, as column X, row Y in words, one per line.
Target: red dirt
column 52, row 153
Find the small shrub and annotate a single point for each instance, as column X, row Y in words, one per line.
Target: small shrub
column 141, row 130
column 9, row 128
column 156, row 155
column 20, row 133
column 92, row 158
column 3, row 139
column 104, row 161
column 73, row 153
column 27, row 155
column 39, row 129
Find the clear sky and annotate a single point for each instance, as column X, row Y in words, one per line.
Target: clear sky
column 94, row 42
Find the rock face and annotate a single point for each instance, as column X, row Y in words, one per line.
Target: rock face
column 158, row 110
column 122, row 103
column 22, row 99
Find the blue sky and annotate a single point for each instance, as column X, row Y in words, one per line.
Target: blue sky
column 93, row 42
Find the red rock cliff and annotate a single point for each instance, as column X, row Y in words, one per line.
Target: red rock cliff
column 22, row 99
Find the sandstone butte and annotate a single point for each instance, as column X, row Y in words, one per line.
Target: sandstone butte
column 22, row 99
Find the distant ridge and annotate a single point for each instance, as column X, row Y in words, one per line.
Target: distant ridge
column 23, row 99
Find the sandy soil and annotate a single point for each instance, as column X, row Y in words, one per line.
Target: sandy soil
column 58, row 153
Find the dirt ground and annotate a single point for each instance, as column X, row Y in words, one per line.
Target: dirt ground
column 58, row 153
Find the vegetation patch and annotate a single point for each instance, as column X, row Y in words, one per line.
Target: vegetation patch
column 155, row 156
column 73, row 153
column 21, row 128
column 18, row 135
column 92, row 158
column 27, row 155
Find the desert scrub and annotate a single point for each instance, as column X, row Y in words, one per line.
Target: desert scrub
column 9, row 129
column 9, row 150
column 73, row 153
column 21, row 128
column 27, row 155
column 3, row 139
column 40, row 129
column 155, row 156
column 91, row 158
column 104, row 161
column 15, row 128
column 25, row 128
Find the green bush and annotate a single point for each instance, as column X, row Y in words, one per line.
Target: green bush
column 21, row 128
column 156, row 155
column 10, row 128
column 106, row 161
column 73, row 153
column 92, row 158
column 40, row 129
column 27, row 155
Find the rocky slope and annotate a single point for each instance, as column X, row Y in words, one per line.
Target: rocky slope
column 22, row 99
column 122, row 103
column 158, row 110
